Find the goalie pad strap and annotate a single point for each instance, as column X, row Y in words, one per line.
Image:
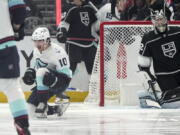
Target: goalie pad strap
column 170, row 96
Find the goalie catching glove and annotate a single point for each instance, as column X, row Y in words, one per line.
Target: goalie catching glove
column 29, row 76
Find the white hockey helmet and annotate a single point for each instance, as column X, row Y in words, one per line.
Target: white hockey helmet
column 41, row 33
column 159, row 20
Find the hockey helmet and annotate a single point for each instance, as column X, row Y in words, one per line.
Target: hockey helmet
column 41, row 33
column 159, row 20
column 41, row 37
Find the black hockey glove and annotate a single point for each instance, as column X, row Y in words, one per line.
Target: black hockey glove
column 49, row 79
column 61, row 35
column 19, row 34
column 29, row 76
column 56, row 80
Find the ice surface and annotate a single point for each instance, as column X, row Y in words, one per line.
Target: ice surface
column 82, row 119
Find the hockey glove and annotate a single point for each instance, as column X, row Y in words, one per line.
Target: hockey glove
column 19, row 34
column 56, row 80
column 29, row 76
column 49, row 79
column 61, row 35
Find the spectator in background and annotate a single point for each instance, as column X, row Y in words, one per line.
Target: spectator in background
column 99, row 3
column 177, row 9
column 113, row 13
column 139, row 11
column 32, row 9
column 34, row 17
column 75, row 32
column 159, row 4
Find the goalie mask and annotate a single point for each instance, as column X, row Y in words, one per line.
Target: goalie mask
column 159, row 21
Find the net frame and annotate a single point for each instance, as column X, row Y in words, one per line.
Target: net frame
column 128, row 23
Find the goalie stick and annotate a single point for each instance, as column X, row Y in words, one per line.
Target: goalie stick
column 113, row 6
column 93, row 6
column 150, row 97
column 151, row 85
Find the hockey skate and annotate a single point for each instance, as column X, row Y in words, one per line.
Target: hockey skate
column 61, row 103
column 41, row 110
column 21, row 130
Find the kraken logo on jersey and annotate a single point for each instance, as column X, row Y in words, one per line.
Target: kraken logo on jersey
column 84, row 18
column 40, row 63
column 169, row 49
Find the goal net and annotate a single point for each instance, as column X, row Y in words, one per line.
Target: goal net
column 114, row 79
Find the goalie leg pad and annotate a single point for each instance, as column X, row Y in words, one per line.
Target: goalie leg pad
column 171, row 99
column 147, row 100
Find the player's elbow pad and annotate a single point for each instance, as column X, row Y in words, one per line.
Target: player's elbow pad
column 61, row 35
column 29, row 76
column 55, row 80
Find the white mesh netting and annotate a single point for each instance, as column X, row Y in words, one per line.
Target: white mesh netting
column 120, row 42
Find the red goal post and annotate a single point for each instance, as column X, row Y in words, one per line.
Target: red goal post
column 115, row 66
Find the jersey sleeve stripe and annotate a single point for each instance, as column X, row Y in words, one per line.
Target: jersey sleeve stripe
column 13, row 3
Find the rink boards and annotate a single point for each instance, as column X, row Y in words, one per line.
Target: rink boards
column 76, row 96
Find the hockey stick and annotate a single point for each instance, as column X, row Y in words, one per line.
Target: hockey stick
column 151, row 84
column 113, row 6
column 93, row 6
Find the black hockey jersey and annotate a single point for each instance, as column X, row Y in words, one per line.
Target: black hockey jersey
column 164, row 50
column 80, row 20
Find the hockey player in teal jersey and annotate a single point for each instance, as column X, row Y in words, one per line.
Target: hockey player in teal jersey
column 13, row 14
